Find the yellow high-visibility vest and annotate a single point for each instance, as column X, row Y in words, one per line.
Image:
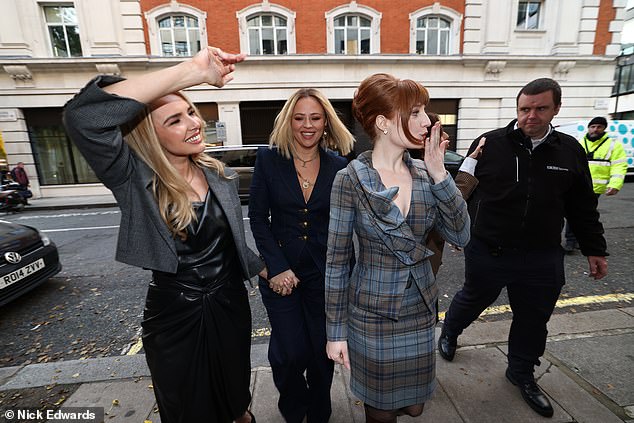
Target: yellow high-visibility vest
column 607, row 161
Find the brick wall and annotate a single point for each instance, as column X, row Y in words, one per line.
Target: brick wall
column 310, row 24
column 602, row 36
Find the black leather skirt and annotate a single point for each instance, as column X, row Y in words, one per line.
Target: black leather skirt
column 197, row 340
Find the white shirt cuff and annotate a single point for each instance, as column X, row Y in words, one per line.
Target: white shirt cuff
column 469, row 165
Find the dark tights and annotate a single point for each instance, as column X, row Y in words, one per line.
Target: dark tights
column 374, row 415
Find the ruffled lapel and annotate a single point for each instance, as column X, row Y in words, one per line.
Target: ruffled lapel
column 384, row 215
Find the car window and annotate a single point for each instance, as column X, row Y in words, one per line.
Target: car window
column 236, row 158
column 452, row 156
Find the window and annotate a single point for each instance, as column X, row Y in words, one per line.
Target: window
column 57, row 159
column 432, row 35
column 353, row 29
column 63, row 30
column 266, row 28
column 268, row 34
column 176, row 30
column 528, row 15
column 179, row 35
column 352, row 34
column 435, row 30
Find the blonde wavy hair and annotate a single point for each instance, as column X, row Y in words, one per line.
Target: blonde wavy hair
column 338, row 138
column 169, row 187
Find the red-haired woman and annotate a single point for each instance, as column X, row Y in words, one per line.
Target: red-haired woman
column 381, row 314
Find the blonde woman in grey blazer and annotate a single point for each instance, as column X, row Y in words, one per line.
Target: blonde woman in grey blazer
column 181, row 219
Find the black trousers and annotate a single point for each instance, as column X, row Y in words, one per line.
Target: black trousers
column 302, row 372
column 533, row 279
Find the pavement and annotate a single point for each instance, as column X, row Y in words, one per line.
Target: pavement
column 587, row 371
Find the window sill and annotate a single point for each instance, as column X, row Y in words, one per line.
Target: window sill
column 530, row 31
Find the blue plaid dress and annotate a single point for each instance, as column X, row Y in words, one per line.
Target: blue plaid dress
column 385, row 306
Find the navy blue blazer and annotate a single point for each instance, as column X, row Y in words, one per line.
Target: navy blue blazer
column 294, row 225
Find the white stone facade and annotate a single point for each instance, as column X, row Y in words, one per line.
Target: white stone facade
column 496, row 61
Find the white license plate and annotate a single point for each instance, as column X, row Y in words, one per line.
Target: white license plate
column 21, row 273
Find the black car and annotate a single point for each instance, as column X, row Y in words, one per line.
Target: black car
column 27, row 259
column 240, row 158
column 453, row 161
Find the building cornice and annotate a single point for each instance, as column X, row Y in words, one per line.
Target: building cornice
column 100, row 63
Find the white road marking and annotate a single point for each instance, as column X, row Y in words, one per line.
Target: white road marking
column 89, row 228
column 49, row 216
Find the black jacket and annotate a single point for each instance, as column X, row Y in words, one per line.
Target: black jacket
column 524, row 194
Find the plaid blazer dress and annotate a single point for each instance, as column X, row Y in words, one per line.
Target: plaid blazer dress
column 385, row 306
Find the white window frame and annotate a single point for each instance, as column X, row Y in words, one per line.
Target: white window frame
column 173, row 8
column 42, row 5
column 172, row 30
column 266, row 8
column 353, row 8
column 436, row 10
column 540, row 21
column 260, row 29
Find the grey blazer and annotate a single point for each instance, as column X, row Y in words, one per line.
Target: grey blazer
column 92, row 119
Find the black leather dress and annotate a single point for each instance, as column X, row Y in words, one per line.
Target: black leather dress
column 197, row 326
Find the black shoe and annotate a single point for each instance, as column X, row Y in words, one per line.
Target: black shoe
column 532, row 394
column 447, row 346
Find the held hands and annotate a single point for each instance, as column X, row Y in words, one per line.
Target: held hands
column 598, row 267
column 216, row 66
column 284, row 282
column 435, row 146
column 337, row 351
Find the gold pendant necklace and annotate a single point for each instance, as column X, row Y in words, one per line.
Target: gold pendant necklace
column 305, row 182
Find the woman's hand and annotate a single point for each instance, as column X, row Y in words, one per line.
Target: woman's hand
column 435, row 146
column 337, row 351
column 264, row 273
column 216, row 65
column 284, row 282
column 478, row 151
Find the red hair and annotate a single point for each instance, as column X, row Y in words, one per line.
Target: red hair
column 384, row 94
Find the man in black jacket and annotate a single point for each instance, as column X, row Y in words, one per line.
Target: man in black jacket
column 531, row 177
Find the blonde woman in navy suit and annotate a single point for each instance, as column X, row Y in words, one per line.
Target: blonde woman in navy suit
column 288, row 210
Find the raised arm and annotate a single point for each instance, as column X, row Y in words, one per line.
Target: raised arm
column 210, row 65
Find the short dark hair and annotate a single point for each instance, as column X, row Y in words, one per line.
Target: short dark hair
column 541, row 85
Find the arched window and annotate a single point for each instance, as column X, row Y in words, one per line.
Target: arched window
column 268, row 34
column 432, row 35
column 179, row 35
column 176, row 29
column 353, row 29
column 266, row 28
column 352, row 34
column 435, row 30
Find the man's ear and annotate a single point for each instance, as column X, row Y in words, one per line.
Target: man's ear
column 557, row 109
